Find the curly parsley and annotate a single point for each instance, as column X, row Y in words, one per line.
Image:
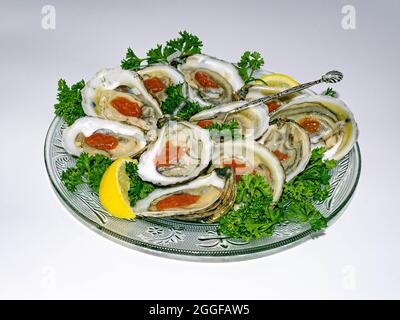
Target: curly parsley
column 313, row 182
column 183, row 46
column 257, row 216
column 231, row 125
column 88, row 169
column 186, row 45
column 138, row 188
column 220, row 131
column 69, row 104
column 190, row 109
column 330, row 92
column 176, row 99
column 131, row 61
column 248, row 64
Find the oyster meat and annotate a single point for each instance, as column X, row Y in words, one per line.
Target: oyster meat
column 120, row 95
column 181, row 152
column 327, row 121
column 206, row 198
column 157, row 78
column 291, row 144
column 98, row 136
column 211, row 80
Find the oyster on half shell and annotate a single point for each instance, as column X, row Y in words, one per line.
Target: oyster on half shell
column 328, row 122
column 157, row 78
column 248, row 157
column 291, row 144
column 120, row 95
column 205, row 198
column 181, row 152
column 98, row 136
column 211, row 80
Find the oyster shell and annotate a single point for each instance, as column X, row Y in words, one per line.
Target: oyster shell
column 327, row 121
column 219, row 208
column 117, row 94
column 211, row 80
column 252, row 121
column 157, row 78
column 247, row 157
column 125, row 140
column 180, row 153
column 206, row 198
column 291, row 144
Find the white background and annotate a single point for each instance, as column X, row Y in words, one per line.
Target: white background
column 46, row 253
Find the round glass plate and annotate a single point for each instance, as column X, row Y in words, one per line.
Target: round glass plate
column 187, row 240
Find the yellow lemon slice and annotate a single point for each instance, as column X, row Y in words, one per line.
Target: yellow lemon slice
column 114, row 187
column 278, row 80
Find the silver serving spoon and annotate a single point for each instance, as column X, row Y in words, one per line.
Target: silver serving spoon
column 329, row 77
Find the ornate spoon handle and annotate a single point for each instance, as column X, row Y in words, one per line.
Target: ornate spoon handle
column 329, row 77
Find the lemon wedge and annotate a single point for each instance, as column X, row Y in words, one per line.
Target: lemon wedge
column 114, row 187
column 278, row 80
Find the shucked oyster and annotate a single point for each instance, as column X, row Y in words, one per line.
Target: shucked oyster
column 180, row 153
column 248, row 157
column 157, row 78
column 252, row 121
column 205, row 198
column 98, row 136
column 211, row 80
column 327, row 121
column 291, row 144
column 120, row 95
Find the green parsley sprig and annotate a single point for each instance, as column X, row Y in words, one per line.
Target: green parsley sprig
column 176, row 99
column 190, row 109
column 222, row 130
column 253, row 186
column 88, row 169
column 248, row 64
column 138, row 188
column 181, row 47
column 330, row 92
column 231, row 125
column 186, row 44
column 313, row 183
column 131, row 61
column 69, row 104
column 304, row 212
column 257, row 216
